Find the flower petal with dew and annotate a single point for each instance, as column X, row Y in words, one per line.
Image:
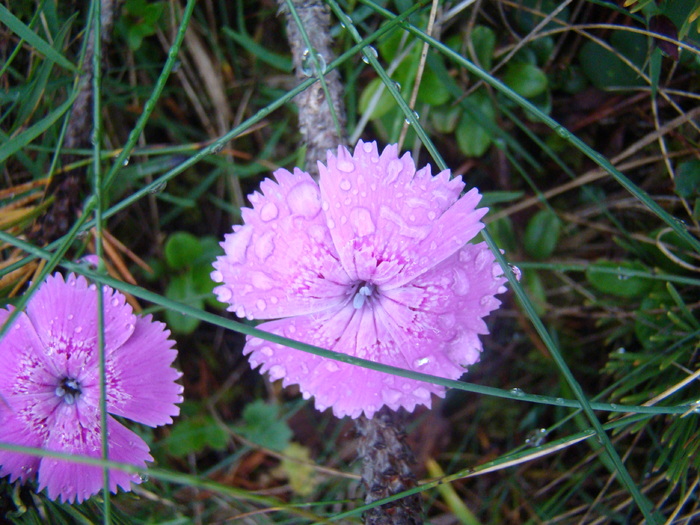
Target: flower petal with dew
column 374, row 262
column 50, row 382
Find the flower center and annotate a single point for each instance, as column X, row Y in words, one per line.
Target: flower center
column 69, row 390
column 364, row 291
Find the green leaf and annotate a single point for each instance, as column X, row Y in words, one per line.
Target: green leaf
column 542, row 234
column 182, row 249
column 444, row 118
column 688, row 179
column 472, row 138
column 264, row 427
column 525, row 79
column 181, row 288
column 617, row 282
column 606, row 69
column 432, row 89
column 301, row 474
column 484, row 41
column 195, row 434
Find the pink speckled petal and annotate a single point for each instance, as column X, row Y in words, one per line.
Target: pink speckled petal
column 282, row 262
column 79, row 434
column 64, row 316
column 15, row 432
column 439, row 315
column 390, row 223
column 349, row 390
column 141, row 384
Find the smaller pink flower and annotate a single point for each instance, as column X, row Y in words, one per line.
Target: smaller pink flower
column 373, row 261
column 50, row 384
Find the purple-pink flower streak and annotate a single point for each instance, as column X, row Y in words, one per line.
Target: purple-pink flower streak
column 373, row 262
column 50, row 386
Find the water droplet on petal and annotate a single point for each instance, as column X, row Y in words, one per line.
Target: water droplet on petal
column 264, row 246
column 391, row 396
column 269, row 212
column 330, row 224
column 361, row 221
column 266, row 351
column 78, row 329
column 261, row 305
column 216, row 276
column 345, row 185
column 393, row 170
column 305, row 199
column 332, row 366
column 421, row 362
column 367, row 146
column 277, row 372
column 115, row 301
column 422, row 393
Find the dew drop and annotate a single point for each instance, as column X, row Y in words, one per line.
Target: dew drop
column 346, row 166
column 78, row 329
column 517, row 392
column 70, row 316
column 391, row 396
column 560, row 401
column 125, row 162
column 266, row 351
column 269, row 212
column 330, row 224
column 217, row 149
column 536, row 437
column 422, row 393
column 264, row 246
column 115, row 301
column 261, row 305
column 345, row 185
column 158, row 188
column 304, row 199
column 332, row 366
column 393, row 170
column 421, row 362
column 367, row 146
column 369, row 50
column 361, row 221
column 415, row 115
column 276, row 372
column 563, row 132
column 309, row 65
column 216, row 276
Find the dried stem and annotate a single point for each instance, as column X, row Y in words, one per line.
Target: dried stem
column 386, row 469
column 322, row 124
column 386, row 458
column 67, row 187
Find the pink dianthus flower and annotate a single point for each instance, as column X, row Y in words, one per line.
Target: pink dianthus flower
column 50, row 386
column 373, row 262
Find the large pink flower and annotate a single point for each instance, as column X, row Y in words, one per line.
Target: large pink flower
column 50, row 386
column 372, row 262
